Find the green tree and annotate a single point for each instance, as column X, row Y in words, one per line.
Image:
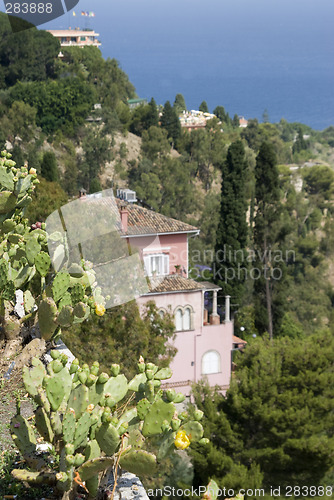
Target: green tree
column 155, row 143
column 179, row 104
column 95, row 185
column 96, row 149
column 153, row 115
column 22, row 121
column 220, row 458
column 28, row 55
column 143, row 117
column 277, row 415
column 203, row 107
column 49, row 169
column 63, row 104
column 319, row 180
column 252, row 134
column 267, row 197
column 170, row 121
column 235, row 121
column 49, row 196
column 220, row 112
column 300, row 144
column 121, row 327
column 232, row 229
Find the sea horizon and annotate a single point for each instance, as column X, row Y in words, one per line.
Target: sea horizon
column 276, row 58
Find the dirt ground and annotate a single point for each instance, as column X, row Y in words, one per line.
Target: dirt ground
column 10, row 389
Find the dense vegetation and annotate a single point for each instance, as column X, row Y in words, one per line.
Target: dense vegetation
column 264, row 193
column 275, row 427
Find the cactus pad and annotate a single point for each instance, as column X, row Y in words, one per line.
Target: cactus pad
column 92, row 450
column 163, row 373
column 93, row 467
column 78, row 400
column 43, row 424
column 69, row 424
column 60, row 285
column 66, row 300
column 108, row 438
column 33, row 377
column 33, row 248
column 117, row 387
column 77, row 293
column 65, row 317
column 23, row 435
column 82, row 430
column 47, row 312
column 193, row 429
column 29, row 301
column 139, row 462
column 7, row 202
column 137, row 383
column 42, row 263
column 158, row 412
column 55, row 390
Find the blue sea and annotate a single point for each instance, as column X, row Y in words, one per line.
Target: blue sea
column 246, row 55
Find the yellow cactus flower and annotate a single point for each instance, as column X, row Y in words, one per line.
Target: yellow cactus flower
column 90, row 408
column 181, row 440
column 99, row 309
column 32, row 171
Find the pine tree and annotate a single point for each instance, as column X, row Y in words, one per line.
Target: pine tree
column 230, row 265
column 277, row 416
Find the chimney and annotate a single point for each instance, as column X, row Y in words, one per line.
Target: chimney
column 124, row 218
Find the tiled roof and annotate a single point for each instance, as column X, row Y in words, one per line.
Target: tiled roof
column 207, row 285
column 173, row 283
column 238, row 340
column 142, row 221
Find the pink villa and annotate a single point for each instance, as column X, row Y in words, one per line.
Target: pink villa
column 204, row 342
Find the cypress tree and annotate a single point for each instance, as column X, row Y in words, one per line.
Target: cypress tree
column 153, row 116
column 49, row 168
column 265, row 235
column 230, row 262
column 203, row 107
column 170, row 121
column 179, row 104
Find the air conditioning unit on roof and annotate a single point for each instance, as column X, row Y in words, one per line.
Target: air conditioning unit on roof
column 126, row 195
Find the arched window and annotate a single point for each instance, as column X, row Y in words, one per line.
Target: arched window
column 178, row 320
column 183, row 318
column 187, row 319
column 211, row 362
column 161, row 313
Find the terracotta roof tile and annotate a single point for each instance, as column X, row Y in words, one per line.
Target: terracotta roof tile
column 142, row 221
column 173, row 283
column 238, row 340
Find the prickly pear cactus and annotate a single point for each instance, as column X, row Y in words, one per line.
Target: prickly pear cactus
column 56, row 299
column 92, row 420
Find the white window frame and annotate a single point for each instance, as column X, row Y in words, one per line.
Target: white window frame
column 163, row 264
column 218, row 364
column 183, row 310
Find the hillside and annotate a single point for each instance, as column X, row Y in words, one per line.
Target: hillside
column 176, row 172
